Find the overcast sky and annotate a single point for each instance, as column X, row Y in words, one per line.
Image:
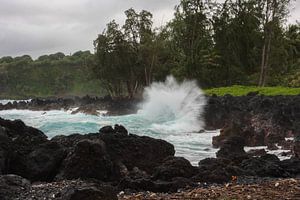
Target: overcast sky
column 37, row 27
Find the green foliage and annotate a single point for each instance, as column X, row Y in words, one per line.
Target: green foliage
column 192, row 41
column 49, row 75
column 238, row 90
column 238, row 42
column 129, row 57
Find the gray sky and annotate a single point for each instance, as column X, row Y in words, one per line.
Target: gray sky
column 38, row 27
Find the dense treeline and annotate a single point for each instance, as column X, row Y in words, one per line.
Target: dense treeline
column 54, row 74
column 238, row 42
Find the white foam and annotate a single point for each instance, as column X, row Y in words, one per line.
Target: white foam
column 173, row 107
column 6, row 101
column 275, row 152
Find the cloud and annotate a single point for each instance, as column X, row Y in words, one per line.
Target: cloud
column 37, row 27
column 295, row 12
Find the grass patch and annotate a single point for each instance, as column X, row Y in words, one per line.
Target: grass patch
column 238, row 90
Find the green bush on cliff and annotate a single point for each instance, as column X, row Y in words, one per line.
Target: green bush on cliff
column 238, row 90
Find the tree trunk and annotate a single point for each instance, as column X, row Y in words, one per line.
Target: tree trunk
column 262, row 67
column 266, row 67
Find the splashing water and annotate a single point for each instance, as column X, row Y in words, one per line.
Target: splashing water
column 171, row 111
column 174, row 107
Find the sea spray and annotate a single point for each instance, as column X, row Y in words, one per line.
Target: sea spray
column 173, row 107
column 171, row 111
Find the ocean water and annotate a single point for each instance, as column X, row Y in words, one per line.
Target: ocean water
column 191, row 145
column 171, row 111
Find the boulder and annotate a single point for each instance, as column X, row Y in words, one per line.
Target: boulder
column 216, row 170
column 18, row 141
column 23, row 134
column 226, row 132
column 88, row 160
column 264, row 166
column 143, row 152
column 44, row 162
column 107, row 129
column 120, row 129
column 173, row 167
column 11, row 186
column 232, row 147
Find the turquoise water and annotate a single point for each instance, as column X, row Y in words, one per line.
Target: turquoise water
column 171, row 111
column 191, row 145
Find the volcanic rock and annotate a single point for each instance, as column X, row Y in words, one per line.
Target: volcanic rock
column 11, row 186
column 264, row 166
column 296, row 147
column 88, row 160
column 173, row 167
column 232, row 147
column 44, row 162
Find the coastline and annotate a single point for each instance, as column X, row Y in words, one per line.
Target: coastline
column 121, row 165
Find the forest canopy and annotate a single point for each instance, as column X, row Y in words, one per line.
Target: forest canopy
column 238, row 42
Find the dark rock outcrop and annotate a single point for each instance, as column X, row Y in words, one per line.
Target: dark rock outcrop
column 232, row 147
column 5, row 151
column 88, row 160
column 260, row 120
column 264, row 166
column 106, row 156
column 296, row 147
column 11, row 186
column 173, row 167
column 42, row 163
column 86, row 104
column 17, row 142
column 216, row 170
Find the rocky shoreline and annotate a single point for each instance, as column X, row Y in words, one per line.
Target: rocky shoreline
column 88, row 105
column 114, row 164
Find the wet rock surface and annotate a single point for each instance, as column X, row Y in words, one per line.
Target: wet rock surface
column 101, row 164
column 87, row 104
column 260, row 120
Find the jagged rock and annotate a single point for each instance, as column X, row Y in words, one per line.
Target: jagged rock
column 107, row 129
column 173, row 167
column 216, row 170
column 88, row 160
column 18, row 141
column 225, row 133
column 11, row 186
column 296, row 147
column 232, row 147
column 137, row 151
column 267, row 120
column 264, row 166
column 257, row 152
column 44, row 162
column 120, row 129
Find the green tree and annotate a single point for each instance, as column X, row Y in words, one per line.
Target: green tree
column 191, row 32
column 274, row 13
